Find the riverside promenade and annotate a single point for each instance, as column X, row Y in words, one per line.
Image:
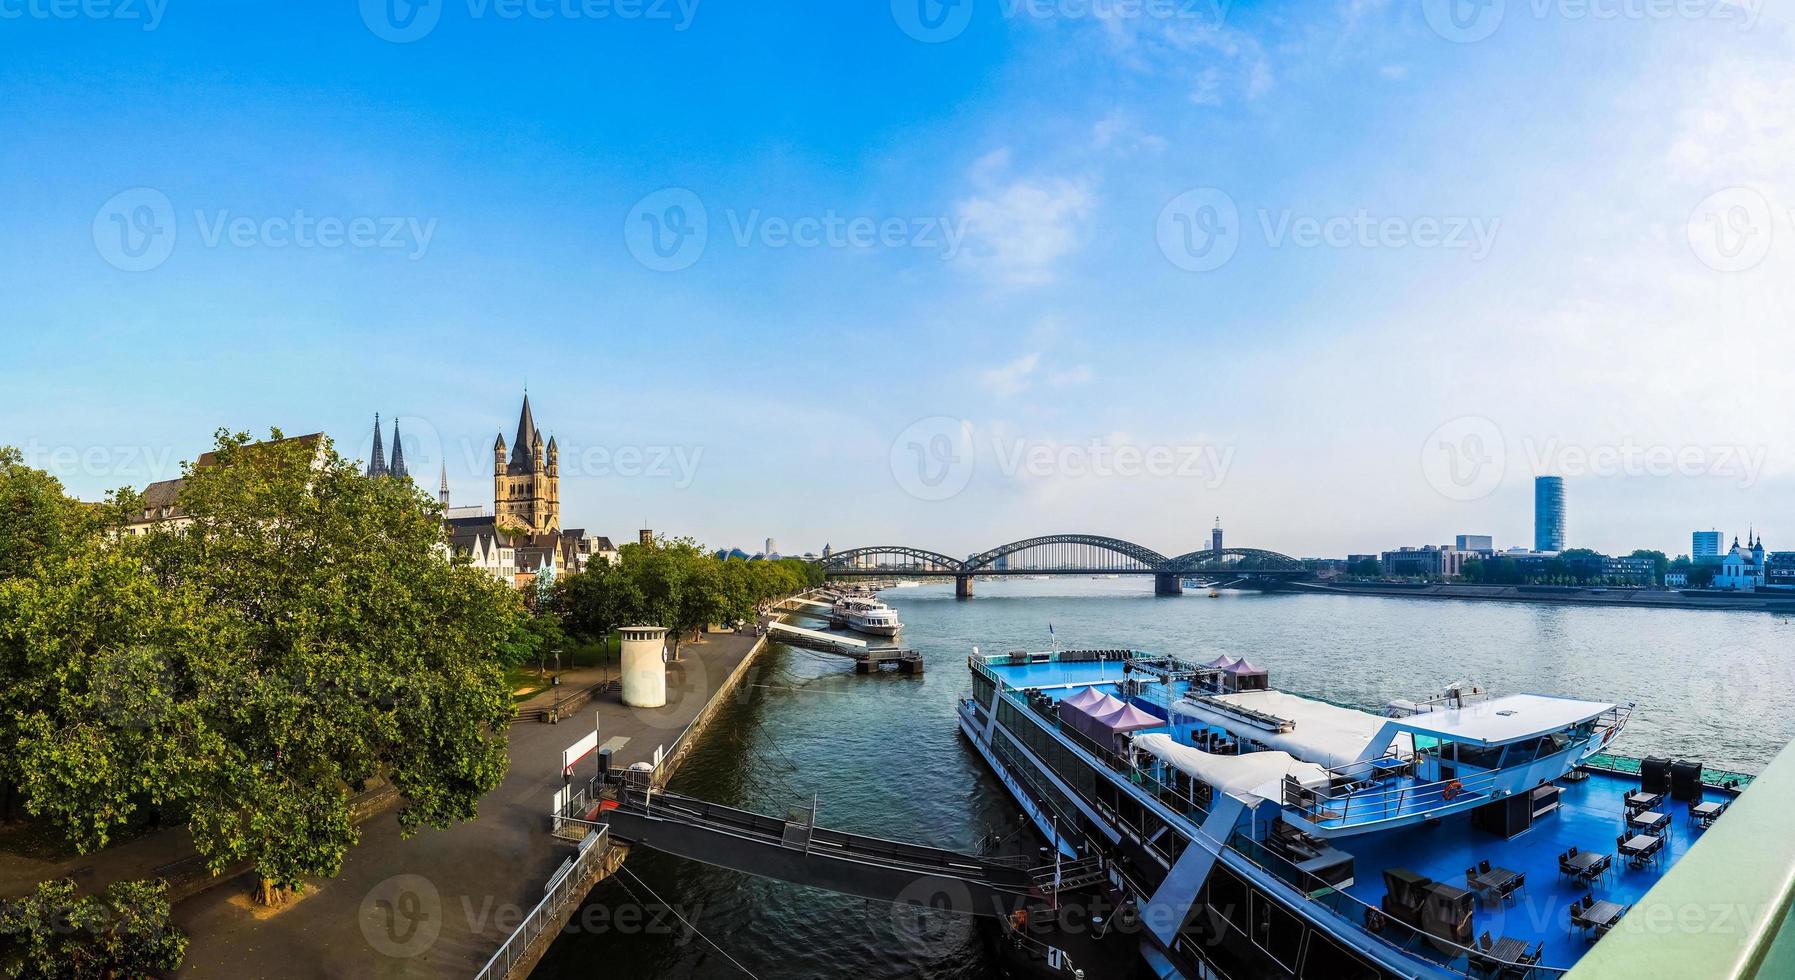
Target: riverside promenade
column 441, row 903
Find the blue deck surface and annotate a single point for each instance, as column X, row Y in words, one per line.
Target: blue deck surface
column 1589, row 817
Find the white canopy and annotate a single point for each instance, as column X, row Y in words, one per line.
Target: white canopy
column 1324, row 733
column 1252, row 777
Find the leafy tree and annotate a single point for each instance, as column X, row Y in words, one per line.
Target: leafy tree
column 56, row 934
column 302, row 635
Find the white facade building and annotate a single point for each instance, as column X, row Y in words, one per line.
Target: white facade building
column 1741, row 568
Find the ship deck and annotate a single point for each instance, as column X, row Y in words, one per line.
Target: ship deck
column 1590, row 815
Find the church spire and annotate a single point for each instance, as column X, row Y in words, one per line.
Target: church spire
column 526, row 434
column 443, row 494
column 377, row 462
column 397, row 470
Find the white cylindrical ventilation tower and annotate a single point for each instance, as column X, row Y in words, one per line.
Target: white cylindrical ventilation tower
column 644, row 666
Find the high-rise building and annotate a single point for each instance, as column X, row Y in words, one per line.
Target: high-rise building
column 1548, row 513
column 1705, row 547
column 1215, row 535
column 1476, row 542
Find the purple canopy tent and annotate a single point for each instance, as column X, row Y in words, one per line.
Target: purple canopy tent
column 1243, row 676
column 1083, row 718
column 1222, row 662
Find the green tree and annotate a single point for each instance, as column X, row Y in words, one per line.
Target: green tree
column 253, row 668
column 56, row 934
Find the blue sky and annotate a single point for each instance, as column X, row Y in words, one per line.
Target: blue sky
column 1347, row 274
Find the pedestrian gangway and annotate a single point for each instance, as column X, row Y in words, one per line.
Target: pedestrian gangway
column 794, row 849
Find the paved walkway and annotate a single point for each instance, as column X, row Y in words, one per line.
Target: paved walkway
column 439, row 904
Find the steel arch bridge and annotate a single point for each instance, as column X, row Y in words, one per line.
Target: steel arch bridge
column 1066, row 554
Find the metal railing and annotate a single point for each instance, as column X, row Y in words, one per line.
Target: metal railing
column 563, row 887
column 1332, row 808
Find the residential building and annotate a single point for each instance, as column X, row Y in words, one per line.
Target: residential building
column 1634, row 571
column 160, row 503
column 1548, row 513
column 1779, row 570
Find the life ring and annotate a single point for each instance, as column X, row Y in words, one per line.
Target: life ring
column 1452, row 790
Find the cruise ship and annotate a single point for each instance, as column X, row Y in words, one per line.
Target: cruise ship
column 1252, row 832
column 864, row 614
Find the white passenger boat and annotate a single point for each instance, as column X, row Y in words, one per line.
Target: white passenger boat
column 864, row 614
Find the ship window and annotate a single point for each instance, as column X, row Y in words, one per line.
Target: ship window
column 1228, row 896
column 1276, row 930
column 1326, row 960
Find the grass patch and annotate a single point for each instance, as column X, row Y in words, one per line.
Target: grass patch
column 525, row 683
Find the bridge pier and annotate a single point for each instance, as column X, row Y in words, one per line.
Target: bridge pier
column 1167, row 585
column 962, row 586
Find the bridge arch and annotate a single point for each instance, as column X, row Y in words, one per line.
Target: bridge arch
column 1245, row 561
column 1152, row 560
column 895, row 558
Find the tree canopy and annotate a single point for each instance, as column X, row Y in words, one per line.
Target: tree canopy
column 56, row 934
column 300, row 633
column 677, row 584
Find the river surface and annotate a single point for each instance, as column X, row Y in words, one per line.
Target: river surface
column 882, row 754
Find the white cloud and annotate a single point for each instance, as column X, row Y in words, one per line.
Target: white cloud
column 1012, row 378
column 1018, row 229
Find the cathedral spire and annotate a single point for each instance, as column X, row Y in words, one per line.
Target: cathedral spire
column 443, row 494
column 397, row 470
column 377, row 462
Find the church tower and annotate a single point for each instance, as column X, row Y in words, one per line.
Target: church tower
column 527, row 484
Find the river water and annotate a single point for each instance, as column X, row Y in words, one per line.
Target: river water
column 882, row 755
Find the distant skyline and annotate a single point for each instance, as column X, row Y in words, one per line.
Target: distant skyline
column 1347, row 278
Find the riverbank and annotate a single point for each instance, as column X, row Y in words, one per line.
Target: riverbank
column 1572, row 595
column 442, row 902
